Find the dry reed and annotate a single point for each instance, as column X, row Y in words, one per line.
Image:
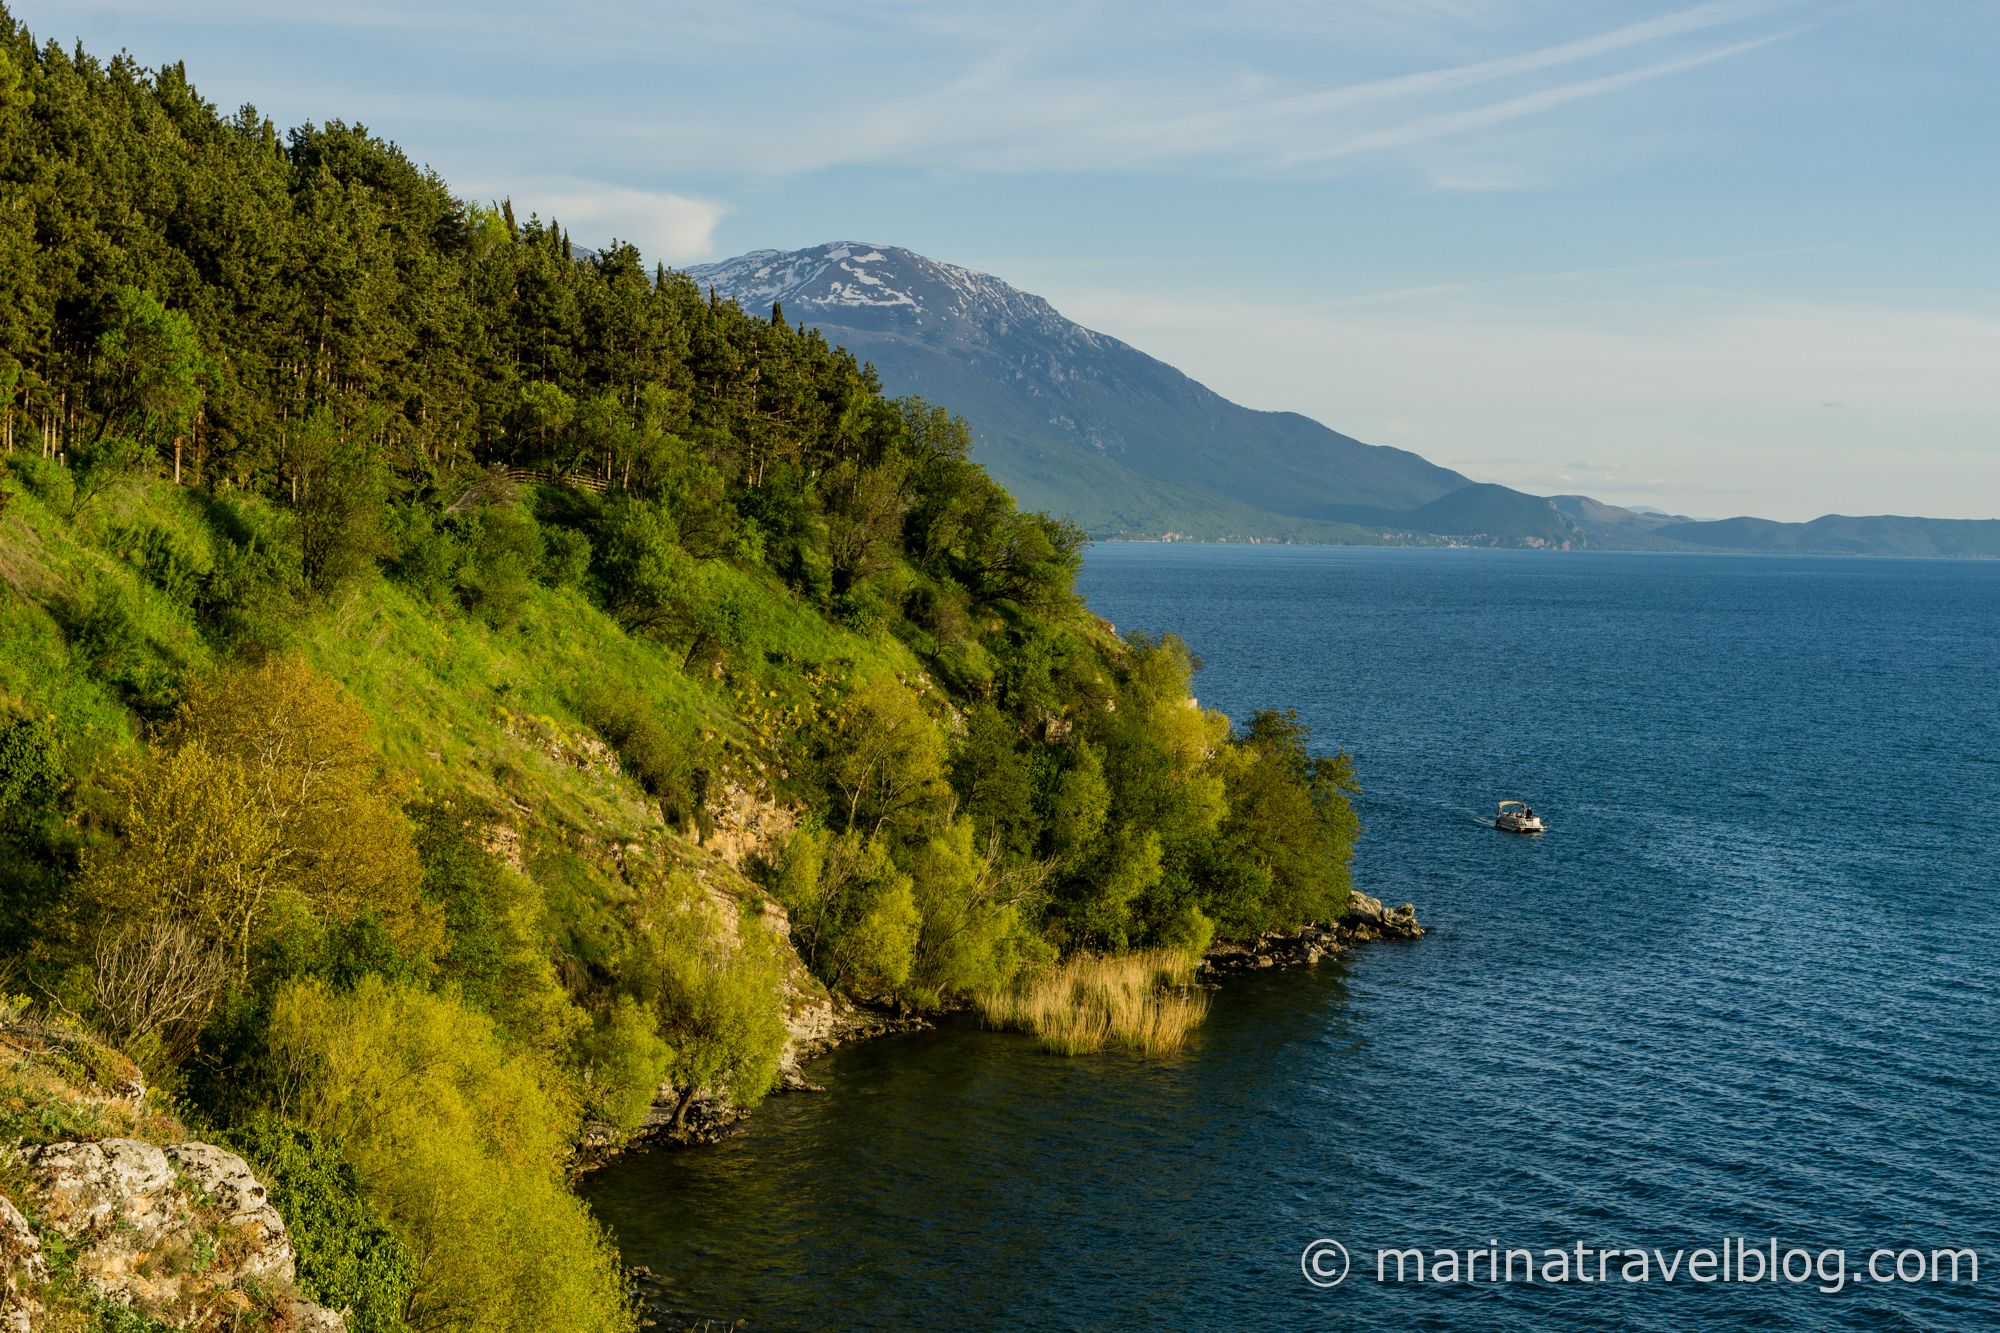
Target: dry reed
column 1144, row 1002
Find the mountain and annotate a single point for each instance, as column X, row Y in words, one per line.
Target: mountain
column 1838, row 534
column 1077, row 422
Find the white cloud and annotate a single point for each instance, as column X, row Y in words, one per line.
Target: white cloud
column 668, row 228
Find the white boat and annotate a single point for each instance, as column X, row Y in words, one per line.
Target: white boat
column 1517, row 817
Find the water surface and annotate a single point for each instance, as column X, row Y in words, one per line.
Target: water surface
column 1746, row 986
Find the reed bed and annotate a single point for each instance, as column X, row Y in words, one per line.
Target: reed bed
column 1145, row 1002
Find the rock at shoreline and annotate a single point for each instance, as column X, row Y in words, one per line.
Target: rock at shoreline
column 1366, row 921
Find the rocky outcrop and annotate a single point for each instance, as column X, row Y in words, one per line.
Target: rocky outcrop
column 746, row 823
column 184, row 1234
column 1366, row 921
column 23, row 1270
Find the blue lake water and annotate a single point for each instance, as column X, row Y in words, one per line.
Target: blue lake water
column 1748, row 985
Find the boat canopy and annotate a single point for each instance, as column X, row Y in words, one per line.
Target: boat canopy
column 1505, row 804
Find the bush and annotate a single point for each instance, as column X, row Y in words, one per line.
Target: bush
column 503, row 554
column 624, row 1062
column 348, row 1259
column 717, row 995
column 672, row 769
column 32, row 775
column 108, row 637
column 459, row 1142
column 497, row 946
column 165, row 560
column 854, row 914
column 154, row 984
column 565, row 558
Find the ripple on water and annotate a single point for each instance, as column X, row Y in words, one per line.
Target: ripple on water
column 1745, row 986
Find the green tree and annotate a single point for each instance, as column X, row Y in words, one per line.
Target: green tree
column 715, row 992
column 150, row 368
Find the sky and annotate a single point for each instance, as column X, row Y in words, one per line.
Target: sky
column 1722, row 258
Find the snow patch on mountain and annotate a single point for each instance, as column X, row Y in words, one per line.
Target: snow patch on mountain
column 851, row 277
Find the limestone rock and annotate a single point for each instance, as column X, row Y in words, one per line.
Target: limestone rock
column 174, row 1233
column 22, row 1268
column 120, row 1186
column 223, row 1181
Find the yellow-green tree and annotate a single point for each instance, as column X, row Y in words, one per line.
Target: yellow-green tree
column 888, row 758
column 197, row 847
column 715, row 991
column 340, row 837
column 460, row 1141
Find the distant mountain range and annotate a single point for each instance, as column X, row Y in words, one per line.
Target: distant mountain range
column 1078, row 423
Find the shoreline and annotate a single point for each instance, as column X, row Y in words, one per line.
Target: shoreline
column 1366, row 921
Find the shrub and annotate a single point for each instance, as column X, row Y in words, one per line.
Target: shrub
column 672, row 769
column 155, row 983
column 348, row 1259
column 565, row 558
column 198, row 849
column 32, row 775
column 717, row 995
column 497, row 946
column 973, row 937
column 164, row 558
column 108, row 637
column 503, row 554
column 624, row 1062
column 459, row 1143
column 854, row 913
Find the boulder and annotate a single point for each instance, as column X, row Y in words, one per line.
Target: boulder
column 117, row 1191
column 168, row 1232
column 223, row 1183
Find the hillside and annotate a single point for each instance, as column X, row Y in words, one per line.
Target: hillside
column 1837, row 534
column 1080, row 424
column 466, row 703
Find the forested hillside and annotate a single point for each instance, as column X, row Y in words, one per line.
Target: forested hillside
column 453, row 691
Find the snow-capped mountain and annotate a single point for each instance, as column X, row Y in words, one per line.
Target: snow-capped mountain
column 1077, row 422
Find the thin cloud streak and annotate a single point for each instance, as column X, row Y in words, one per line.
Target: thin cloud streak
column 1561, row 276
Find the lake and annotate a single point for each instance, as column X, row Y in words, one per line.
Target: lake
column 1746, row 987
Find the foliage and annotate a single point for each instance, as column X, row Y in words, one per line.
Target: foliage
column 853, row 911
column 459, row 1143
column 348, row 1259
column 356, row 508
column 713, row 992
column 341, row 837
column 497, row 953
column 625, row 1060
column 32, row 773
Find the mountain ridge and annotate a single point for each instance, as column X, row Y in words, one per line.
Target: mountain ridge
column 1079, row 423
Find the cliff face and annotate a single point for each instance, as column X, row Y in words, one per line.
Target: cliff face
column 181, row 1233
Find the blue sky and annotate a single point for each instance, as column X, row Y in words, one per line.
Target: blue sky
column 1733, row 257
